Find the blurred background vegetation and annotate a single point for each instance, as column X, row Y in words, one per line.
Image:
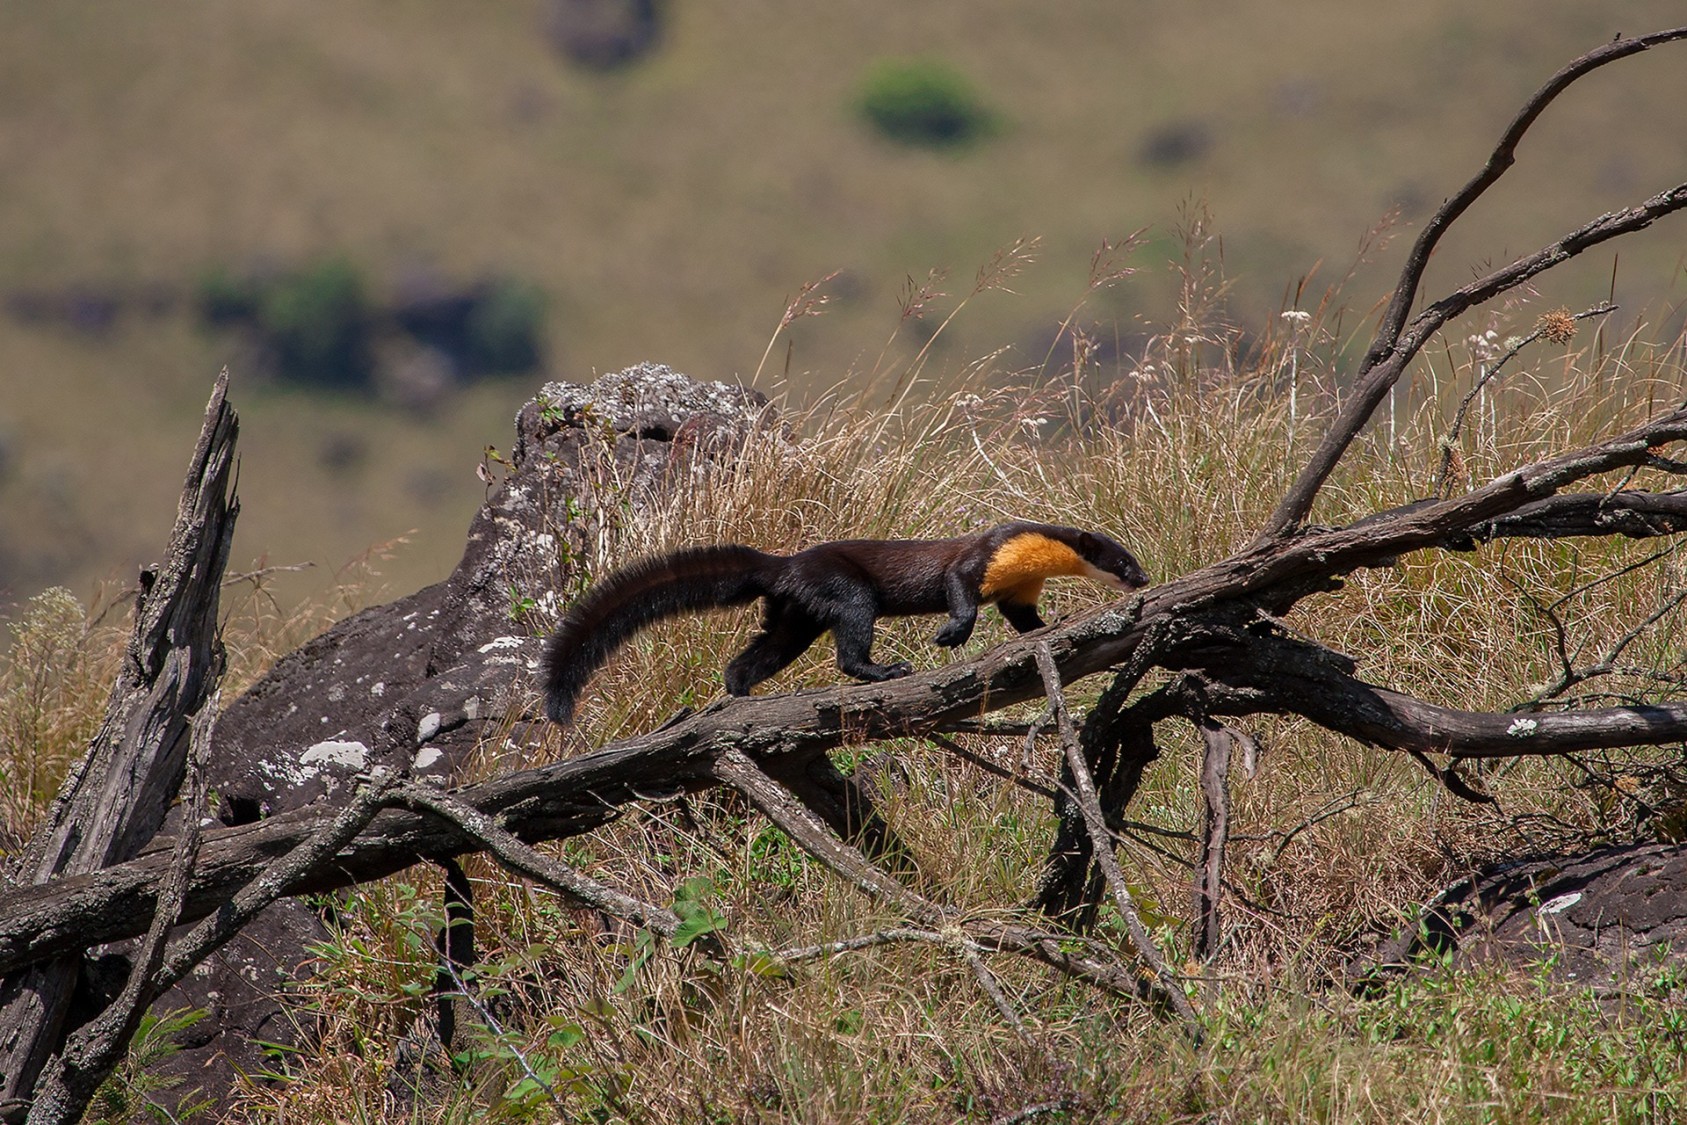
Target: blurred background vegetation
column 392, row 220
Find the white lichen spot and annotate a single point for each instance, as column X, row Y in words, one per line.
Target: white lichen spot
column 336, row 752
column 427, row 756
column 1560, row 904
column 428, row 727
column 501, row 642
column 286, row 771
column 337, row 693
column 379, row 689
column 471, row 707
column 1522, row 728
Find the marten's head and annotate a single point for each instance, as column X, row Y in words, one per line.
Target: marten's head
column 1106, row 560
column 1027, row 553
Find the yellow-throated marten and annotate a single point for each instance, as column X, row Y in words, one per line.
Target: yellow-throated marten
column 840, row 586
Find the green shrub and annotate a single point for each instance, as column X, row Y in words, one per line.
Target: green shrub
column 506, row 328
column 316, row 323
column 228, row 298
column 923, row 102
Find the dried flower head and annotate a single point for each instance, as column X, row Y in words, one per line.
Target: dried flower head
column 1456, row 473
column 808, row 301
column 1557, row 325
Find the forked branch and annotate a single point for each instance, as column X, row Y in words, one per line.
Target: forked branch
column 1394, row 346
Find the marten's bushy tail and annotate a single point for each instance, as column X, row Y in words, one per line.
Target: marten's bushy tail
column 686, row 581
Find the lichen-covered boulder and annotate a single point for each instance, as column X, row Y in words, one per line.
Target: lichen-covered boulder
column 1596, row 917
column 421, row 682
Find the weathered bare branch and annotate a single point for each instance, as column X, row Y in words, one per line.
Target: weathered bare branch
column 1273, row 672
column 1394, row 345
column 778, row 805
column 1636, row 515
column 1170, row 990
column 1215, row 832
column 92, row 1052
column 115, row 799
column 526, row 860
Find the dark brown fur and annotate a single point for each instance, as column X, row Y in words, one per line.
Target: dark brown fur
column 842, row 586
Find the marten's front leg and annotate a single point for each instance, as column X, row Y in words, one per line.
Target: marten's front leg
column 962, row 597
column 1022, row 617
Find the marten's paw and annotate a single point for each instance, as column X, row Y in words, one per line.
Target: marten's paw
column 952, row 635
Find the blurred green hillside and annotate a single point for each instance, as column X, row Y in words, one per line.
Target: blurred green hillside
column 669, row 209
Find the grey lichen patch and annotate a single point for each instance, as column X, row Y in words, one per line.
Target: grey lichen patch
column 428, row 727
column 344, row 754
column 626, row 398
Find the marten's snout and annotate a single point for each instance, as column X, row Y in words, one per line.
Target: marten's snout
column 1125, row 575
column 1130, row 574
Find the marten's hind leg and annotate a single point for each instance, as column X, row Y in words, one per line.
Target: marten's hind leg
column 786, row 634
column 853, row 629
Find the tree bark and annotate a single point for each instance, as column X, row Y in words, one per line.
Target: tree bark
column 114, row 802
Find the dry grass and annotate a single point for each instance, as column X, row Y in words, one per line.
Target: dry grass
column 1181, row 458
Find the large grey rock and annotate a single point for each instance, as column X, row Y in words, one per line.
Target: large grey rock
column 1596, row 916
column 424, row 680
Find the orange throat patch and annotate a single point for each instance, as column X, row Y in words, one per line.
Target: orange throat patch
column 1017, row 569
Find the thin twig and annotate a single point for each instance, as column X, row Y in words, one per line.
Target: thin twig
column 498, row 1032
column 1489, row 374
column 1605, row 665
column 993, row 989
column 1089, row 803
column 265, row 572
column 892, row 936
column 1041, row 788
column 525, row 860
